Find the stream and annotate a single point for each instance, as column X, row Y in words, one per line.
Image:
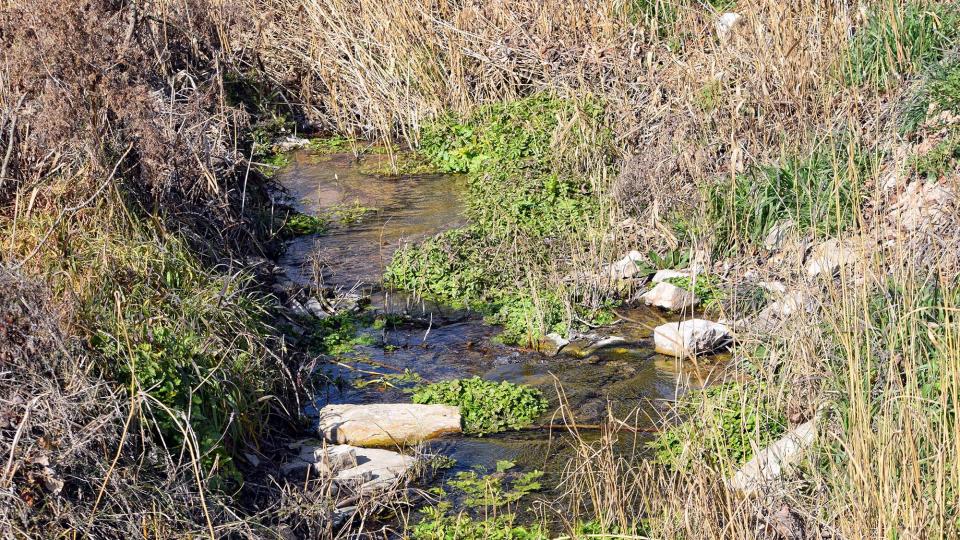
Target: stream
column 628, row 378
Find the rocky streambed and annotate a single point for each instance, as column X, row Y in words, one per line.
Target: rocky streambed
column 616, row 370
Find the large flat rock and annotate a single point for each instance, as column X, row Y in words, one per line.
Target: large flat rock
column 387, row 424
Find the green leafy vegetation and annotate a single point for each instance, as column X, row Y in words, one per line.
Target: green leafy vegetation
column 298, row 224
column 331, row 145
column 349, row 213
column 932, row 113
column 490, row 495
column 337, row 335
column 486, row 406
column 896, row 42
column 525, row 186
column 519, row 181
column 186, row 337
column 720, row 424
column 706, row 289
column 436, row 524
column 493, row 490
column 399, row 163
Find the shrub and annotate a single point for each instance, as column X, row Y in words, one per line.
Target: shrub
column 486, row 406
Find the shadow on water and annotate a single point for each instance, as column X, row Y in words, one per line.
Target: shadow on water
column 620, row 380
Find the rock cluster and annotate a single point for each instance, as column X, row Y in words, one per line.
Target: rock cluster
column 359, row 470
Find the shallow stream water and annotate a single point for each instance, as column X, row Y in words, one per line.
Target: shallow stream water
column 627, row 379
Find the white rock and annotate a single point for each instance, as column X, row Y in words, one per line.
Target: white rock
column 726, row 23
column 552, row 344
column 376, row 470
column 663, row 275
column 829, row 257
column 669, row 296
column 696, row 336
column 297, row 308
column 291, row 143
column 386, row 424
column 316, row 308
column 626, row 267
column 362, row 470
column 604, row 343
column 770, row 462
column 773, row 287
column 778, row 233
column 789, row 303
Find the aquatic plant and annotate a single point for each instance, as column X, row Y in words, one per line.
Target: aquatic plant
column 486, row 406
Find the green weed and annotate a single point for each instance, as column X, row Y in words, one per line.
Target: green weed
column 349, row 213
column 707, row 289
column 525, row 187
column 436, row 524
column 722, row 422
column 331, row 145
column 486, row 406
column 898, row 41
column 403, row 163
column 186, row 337
column 489, row 494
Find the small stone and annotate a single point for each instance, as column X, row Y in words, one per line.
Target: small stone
column 252, row 459
column 770, row 462
column 829, row 257
column 316, row 308
column 297, row 308
column 790, row 303
column 669, row 296
column 387, row 424
column 770, row 317
column 291, row 143
column 663, row 275
column 726, row 23
column 551, row 344
column 773, row 287
column 626, row 267
column 696, row 336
